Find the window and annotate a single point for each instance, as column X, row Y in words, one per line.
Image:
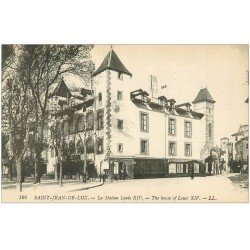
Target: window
column 188, row 149
column 72, row 148
column 120, row 147
column 100, row 119
column 52, row 152
column 65, row 128
column 99, row 97
column 144, row 122
column 119, row 95
column 72, row 125
column 80, row 147
column 90, row 146
column 90, row 120
column 144, row 146
column 120, row 76
column 144, row 98
column 172, row 126
column 172, row 148
column 80, row 123
column 179, row 168
column 210, row 131
column 120, row 124
column 188, row 129
column 162, row 102
column 99, row 145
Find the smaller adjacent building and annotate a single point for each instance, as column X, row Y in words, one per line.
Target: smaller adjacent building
column 241, row 146
column 226, row 152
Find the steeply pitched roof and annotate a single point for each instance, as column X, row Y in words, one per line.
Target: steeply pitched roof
column 204, row 96
column 158, row 108
column 112, row 62
column 61, row 90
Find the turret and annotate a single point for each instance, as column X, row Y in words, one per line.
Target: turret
column 204, row 103
column 112, row 90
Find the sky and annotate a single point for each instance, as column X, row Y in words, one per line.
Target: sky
column 185, row 69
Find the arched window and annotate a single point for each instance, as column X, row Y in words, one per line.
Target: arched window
column 65, row 148
column 100, row 119
column 210, row 134
column 80, row 123
column 72, row 148
column 72, row 125
column 90, row 145
column 80, row 147
column 99, row 145
column 65, row 128
column 90, row 120
column 75, row 123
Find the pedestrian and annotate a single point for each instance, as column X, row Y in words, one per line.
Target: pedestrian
column 209, row 167
column 103, row 177
column 121, row 174
column 191, row 171
column 203, row 167
column 221, row 166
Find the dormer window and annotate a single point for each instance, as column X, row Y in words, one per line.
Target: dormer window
column 162, row 102
column 144, row 98
column 120, row 76
column 172, row 106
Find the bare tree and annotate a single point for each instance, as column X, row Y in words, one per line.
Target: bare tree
column 58, row 144
column 18, row 112
column 42, row 66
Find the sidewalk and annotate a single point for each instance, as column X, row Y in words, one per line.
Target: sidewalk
column 87, row 185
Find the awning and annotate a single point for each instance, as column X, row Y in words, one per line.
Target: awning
column 124, row 160
column 184, row 161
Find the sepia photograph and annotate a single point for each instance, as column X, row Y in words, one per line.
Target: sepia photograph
column 124, row 123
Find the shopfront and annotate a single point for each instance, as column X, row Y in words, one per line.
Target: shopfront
column 122, row 168
column 160, row 168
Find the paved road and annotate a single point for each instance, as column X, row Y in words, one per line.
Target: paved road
column 206, row 189
column 201, row 189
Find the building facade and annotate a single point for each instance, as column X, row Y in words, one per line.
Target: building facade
column 117, row 129
column 226, row 153
column 241, row 146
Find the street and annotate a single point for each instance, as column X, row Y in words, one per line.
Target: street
column 180, row 189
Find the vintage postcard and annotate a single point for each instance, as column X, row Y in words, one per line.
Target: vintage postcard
column 124, row 123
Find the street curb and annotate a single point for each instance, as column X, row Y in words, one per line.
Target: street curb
column 99, row 185
column 86, row 188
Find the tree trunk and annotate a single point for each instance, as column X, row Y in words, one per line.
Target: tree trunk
column 19, row 174
column 37, row 170
column 60, row 178
column 10, row 171
column 84, row 175
column 56, row 171
column 39, row 150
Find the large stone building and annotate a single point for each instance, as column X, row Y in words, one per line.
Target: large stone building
column 121, row 129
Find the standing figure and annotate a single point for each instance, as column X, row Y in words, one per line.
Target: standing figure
column 209, row 167
column 191, row 171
